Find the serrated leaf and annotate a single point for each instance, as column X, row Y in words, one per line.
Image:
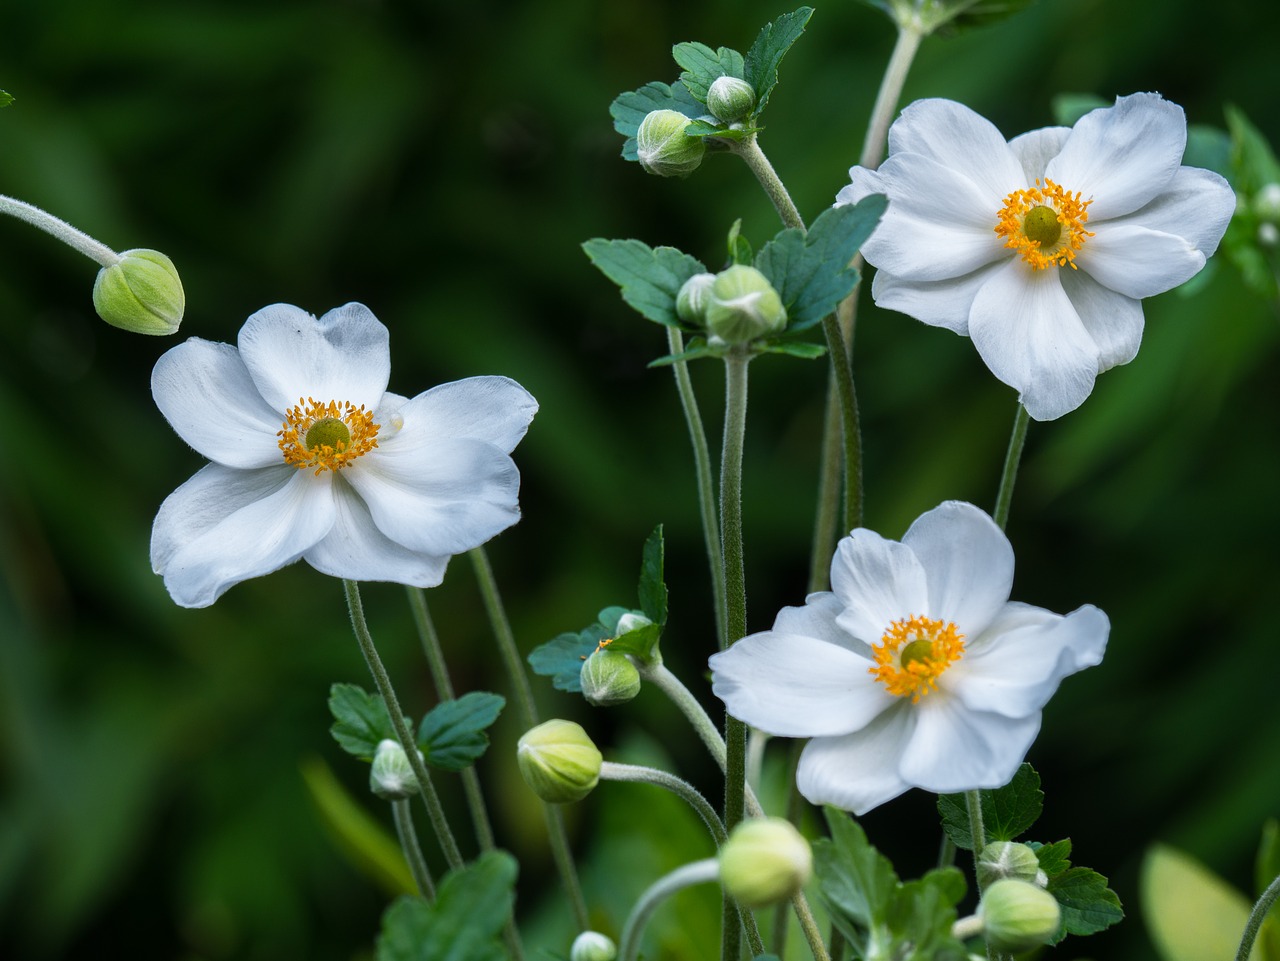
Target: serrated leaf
column 650, row 277
column 1088, row 905
column 1191, row 913
column 640, row 643
column 1006, row 812
column 1052, row 857
column 702, row 66
column 452, row 735
column 1067, row 108
column 792, row 348
column 465, row 921
column 629, row 109
column 652, row 590
column 771, row 45
column 811, row 272
column 853, row 877
column 561, row 657
column 360, row 720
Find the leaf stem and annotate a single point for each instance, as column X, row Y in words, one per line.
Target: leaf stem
column 1256, row 917
column 408, row 836
column 77, row 239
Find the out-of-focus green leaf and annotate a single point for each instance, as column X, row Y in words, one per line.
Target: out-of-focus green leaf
column 1067, row 108
column 453, row 734
column 972, row 14
column 1252, row 159
column 803, row 349
column 5, row 98
column 771, row 45
column 739, row 247
column 360, row 720
column 1006, row 812
column 702, row 66
column 650, row 277
column 1208, row 147
column 1191, row 913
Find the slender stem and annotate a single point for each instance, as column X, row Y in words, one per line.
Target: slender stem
column 967, row 928
column 383, row 682
column 890, row 92
column 610, row 771
column 1256, row 917
column 408, row 836
column 850, row 427
column 795, row 806
column 706, row 483
column 682, row 877
column 77, row 239
column 556, row 833
column 973, row 802
column 1011, row 460
column 810, row 928
column 749, row 150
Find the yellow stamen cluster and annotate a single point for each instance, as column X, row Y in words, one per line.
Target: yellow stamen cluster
column 326, row 436
column 913, row 653
column 1045, row 224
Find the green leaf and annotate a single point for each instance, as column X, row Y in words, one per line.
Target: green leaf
column 702, row 66
column 697, row 349
column 5, row 98
column 629, row 109
column 465, row 921
column 1006, row 812
column 793, row 348
column 739, row 247
column 653, row 588
column 1252, row 159
column 1267, row 864
column 702, row 128
column 775, row 39
column 452, row 735
column 1067, row 108
column 360, row 720
column 1208, row 147
column 1191, row 913
column 561, row 658
column 855, row 879
column 1088, row 905
column 650, row 277
column 1052, row 857
column 973, row 14
column 811, row 272
column 642, row 642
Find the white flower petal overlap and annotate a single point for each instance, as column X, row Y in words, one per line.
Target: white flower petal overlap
column 437, row 480
column 1046, row 331
column 814, row 674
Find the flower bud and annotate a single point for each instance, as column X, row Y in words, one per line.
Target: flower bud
column 391, row 777
column 630, row 621
column 730, row 99
column 141, row 293
column 691, row 302
column 559, row 761
column 1009, row 859
column 1018, row 916
column 1266, row 203
column 663, row 149
column 592, row 946
column 609, row 677
column 743, row 306
column 764, row 861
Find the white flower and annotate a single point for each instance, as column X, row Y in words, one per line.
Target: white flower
column 313, row 458
column 1040, row 249
column 916, row 670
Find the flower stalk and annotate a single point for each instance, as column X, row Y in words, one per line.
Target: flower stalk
column 611, row 771
column 408, row 836
column 1256, row 917
column 78, row 240
column 1013, row 457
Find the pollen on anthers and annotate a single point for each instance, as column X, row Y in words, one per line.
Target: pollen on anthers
column 326, row 436
column 913, row 653
column 1045, row 224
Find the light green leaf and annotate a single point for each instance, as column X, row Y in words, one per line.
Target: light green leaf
column 807, row 350
column 650, row 277
column 1252, row 159
column 360, row 720
column 629, row 109
column 1088, row 905
column 1006, row 812
column 1208, row 147
column 452, row 735
column 5, row 98
column 696, row 350
column 653, row 588
column 739, row 247
column 561, row 658
column 1191, row 913
column 855, row 879
column 702, row 66
column 772, row 44
column 1052, row 857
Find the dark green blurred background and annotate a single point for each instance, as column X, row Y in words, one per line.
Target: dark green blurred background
column 442, row 163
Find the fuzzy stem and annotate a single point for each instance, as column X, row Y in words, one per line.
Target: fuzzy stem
column 408, row 836
column 77, row 239
column 610, row 771
column 973, row 803
column 1256, row 917
column 749, row 150
column 687, row 875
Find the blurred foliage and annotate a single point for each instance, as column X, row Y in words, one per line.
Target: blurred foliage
column 442, row 164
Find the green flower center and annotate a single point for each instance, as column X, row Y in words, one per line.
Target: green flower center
column 328, row 432
column 326, row 436
column 1042, row 225
column 918, row 650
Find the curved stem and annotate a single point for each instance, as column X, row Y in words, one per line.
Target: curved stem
column 749, row 150
column 383, row 682
column 706, row 484
column 77, row 239
column 890, row 92
column 609, row 771
column 1012, row 458
column 1256, row 917
column 687, row 875
column 408, row 836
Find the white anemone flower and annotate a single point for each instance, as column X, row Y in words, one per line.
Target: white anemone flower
column 915, row 670
column 313, row 458
column 1040, row 249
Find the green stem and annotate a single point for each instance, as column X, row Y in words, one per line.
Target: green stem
column 795, row 805
column 977, row 830
column 706, row 483
column 1256, row 917
column 810, row 928
column 609, row 771
column 749, row 150
column 77, row 239
column 1012, row 458
column 383, row 682
column 556, row 833
column 408, row 836
column 890, row 92
column 687, row 875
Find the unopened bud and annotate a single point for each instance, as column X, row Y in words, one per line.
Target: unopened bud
column 391, row 777
column 1009, row 859
column 630, row 621
column 593, row 946
column 609, row 677
column 662, row 147
column 559, row 761
column 730, row 99
column 691, row 301
column 764, row 861
column 1017, row 916
column 743, row 306
column 141, row 293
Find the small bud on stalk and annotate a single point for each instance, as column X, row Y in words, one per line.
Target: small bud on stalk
column 593, row 946
column 1017, row 916
column 1009, row 859
column 559, row 761
column 609, row 677
column 743, row 306
column 662, row 147
column 391, row 777
column 141, row 293
column 730, row 99
column 764, row 861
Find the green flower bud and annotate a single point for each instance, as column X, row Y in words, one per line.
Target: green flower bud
column 141, row 292
column 558, row 761
column 1009, row 859
column 592, row 946
column 764, row 861
column 1017, row 916
column 691, row 302
column 1266, row 203
column 730, row 99
column 743, row 306
column 609, row 677
column 630, row 621
column 662, row 147
column 391, row 777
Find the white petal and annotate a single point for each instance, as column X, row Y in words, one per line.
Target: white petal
column 817, row 618
column 1029, row 334
column 1122, row 156
column 342, row 356
column 1138, row 262
column 206, row 394
column 1113, row 320
column 863, row 184
column 442, row 497
column 877, row 581
column 954, row 749
column 1016, row 665
column 967, row 561
column 956, row 137
column 1036, row 148
column 858, row 771
column 938, row 224
column 492, row 409
column 939, row 303
column 356, row 550
column 1197, row 205
column 790, row 685
column 223, row 527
